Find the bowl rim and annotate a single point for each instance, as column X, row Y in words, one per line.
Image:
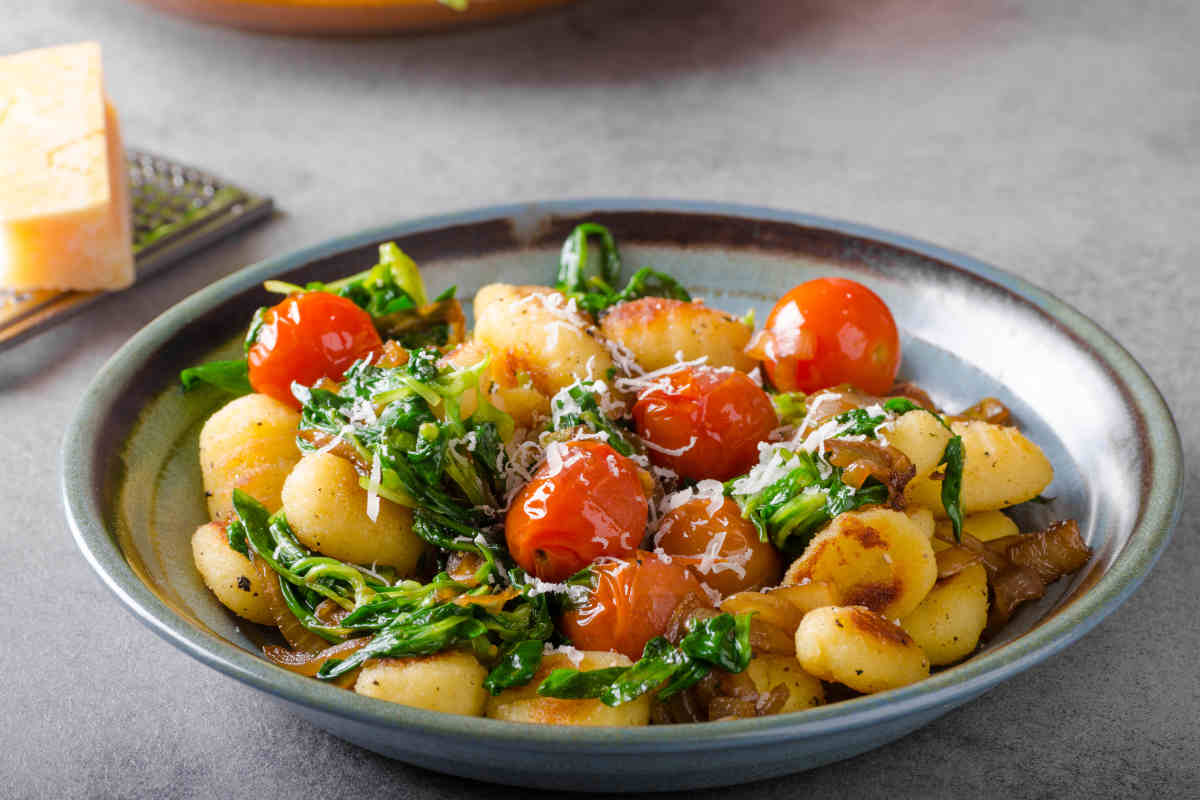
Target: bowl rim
column 81, row 464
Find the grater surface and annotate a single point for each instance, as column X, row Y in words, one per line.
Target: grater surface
column 177, row 210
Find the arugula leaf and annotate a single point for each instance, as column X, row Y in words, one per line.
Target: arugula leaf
column 789, row 511
column 573, row 260
column 518, row 664
column 722, row 642
column 576, row 406
column 231, row 376
column 954, row 458
column 573, row 684
column 595, row 293
column 858, row 422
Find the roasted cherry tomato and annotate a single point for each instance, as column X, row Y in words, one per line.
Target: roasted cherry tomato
column 721, row 544
column 826, row 332
column 307, row 337
column 586, row 501
column 704, row 422
column 631, row 602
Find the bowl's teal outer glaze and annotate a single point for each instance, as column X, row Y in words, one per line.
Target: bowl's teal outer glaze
column 132, row 490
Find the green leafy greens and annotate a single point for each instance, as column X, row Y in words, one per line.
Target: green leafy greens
column 720, row 642
column 596, row 292
column 231, row 376
column 810, row 492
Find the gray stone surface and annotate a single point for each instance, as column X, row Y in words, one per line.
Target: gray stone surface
column 1057, row 140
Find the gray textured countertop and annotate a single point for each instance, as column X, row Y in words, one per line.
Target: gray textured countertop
column 1057, row 140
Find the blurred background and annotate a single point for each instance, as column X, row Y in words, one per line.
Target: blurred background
column 1057, row 140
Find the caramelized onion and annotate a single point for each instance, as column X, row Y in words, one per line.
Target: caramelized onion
column 297, row 636
column 989, row 409
column 768, row 638
column 828, row 403
column 490, row 602
column 309, row 663
column 339, row 448
column 1057, row 551
column 772, row 702
column 727, row 708
column 691, row 607
column 1010, row 588
column 913, row 392
column 864, row 459
column 954, row 560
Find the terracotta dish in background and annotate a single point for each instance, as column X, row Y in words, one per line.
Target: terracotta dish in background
column 347, row 17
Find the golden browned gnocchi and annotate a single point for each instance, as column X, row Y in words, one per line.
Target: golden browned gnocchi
column 229, row 575
column 524, row 704
column 658, row 331
column 537, row 338
column 919, row 435
column 948, row 622
column 450, row 682
column 327, row 509
column 249, row 444
column 876, row 557
column 1003, row 468
column 854, row 646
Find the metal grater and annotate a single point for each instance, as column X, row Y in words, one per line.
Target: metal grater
column 177, row 210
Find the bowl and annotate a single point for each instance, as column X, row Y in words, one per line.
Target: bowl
column 347, row 17
column 131, row 481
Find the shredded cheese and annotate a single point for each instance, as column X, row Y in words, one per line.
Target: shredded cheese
column 373, row 488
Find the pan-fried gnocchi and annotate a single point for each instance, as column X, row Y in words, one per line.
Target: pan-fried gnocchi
column 1003, row 468
column 450, row 682
column 659, row 331
column 948, row 622
column 857, row 647
column 609, row 504
column 876, row 557
column 250, row 444
column 329, row 512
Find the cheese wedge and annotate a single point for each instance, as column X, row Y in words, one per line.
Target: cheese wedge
column 64, row 188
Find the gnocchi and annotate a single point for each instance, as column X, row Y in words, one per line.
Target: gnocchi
column 327, row 509
column 450, row 682
column 658, row 331
column 857, row 647
column 229, row 575
column 249, row 444
column 877, row 558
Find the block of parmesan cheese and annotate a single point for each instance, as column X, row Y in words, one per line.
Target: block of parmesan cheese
column 64, row 191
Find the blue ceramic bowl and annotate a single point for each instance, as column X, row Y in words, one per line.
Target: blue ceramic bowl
column 131, row 481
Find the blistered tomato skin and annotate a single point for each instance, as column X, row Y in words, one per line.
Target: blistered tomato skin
column 585, row 502
column 705, row 422
column 631, row 603
column 739, row 560
column 307, row 337
column 827, row 332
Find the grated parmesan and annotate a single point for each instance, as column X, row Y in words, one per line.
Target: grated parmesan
column 373, row 487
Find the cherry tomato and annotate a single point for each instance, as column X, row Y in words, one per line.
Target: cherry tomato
column 309, row 336
column 826, row 332
column 586, row 501
column 631, row 603
column 742, row 560
column 704, row 422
